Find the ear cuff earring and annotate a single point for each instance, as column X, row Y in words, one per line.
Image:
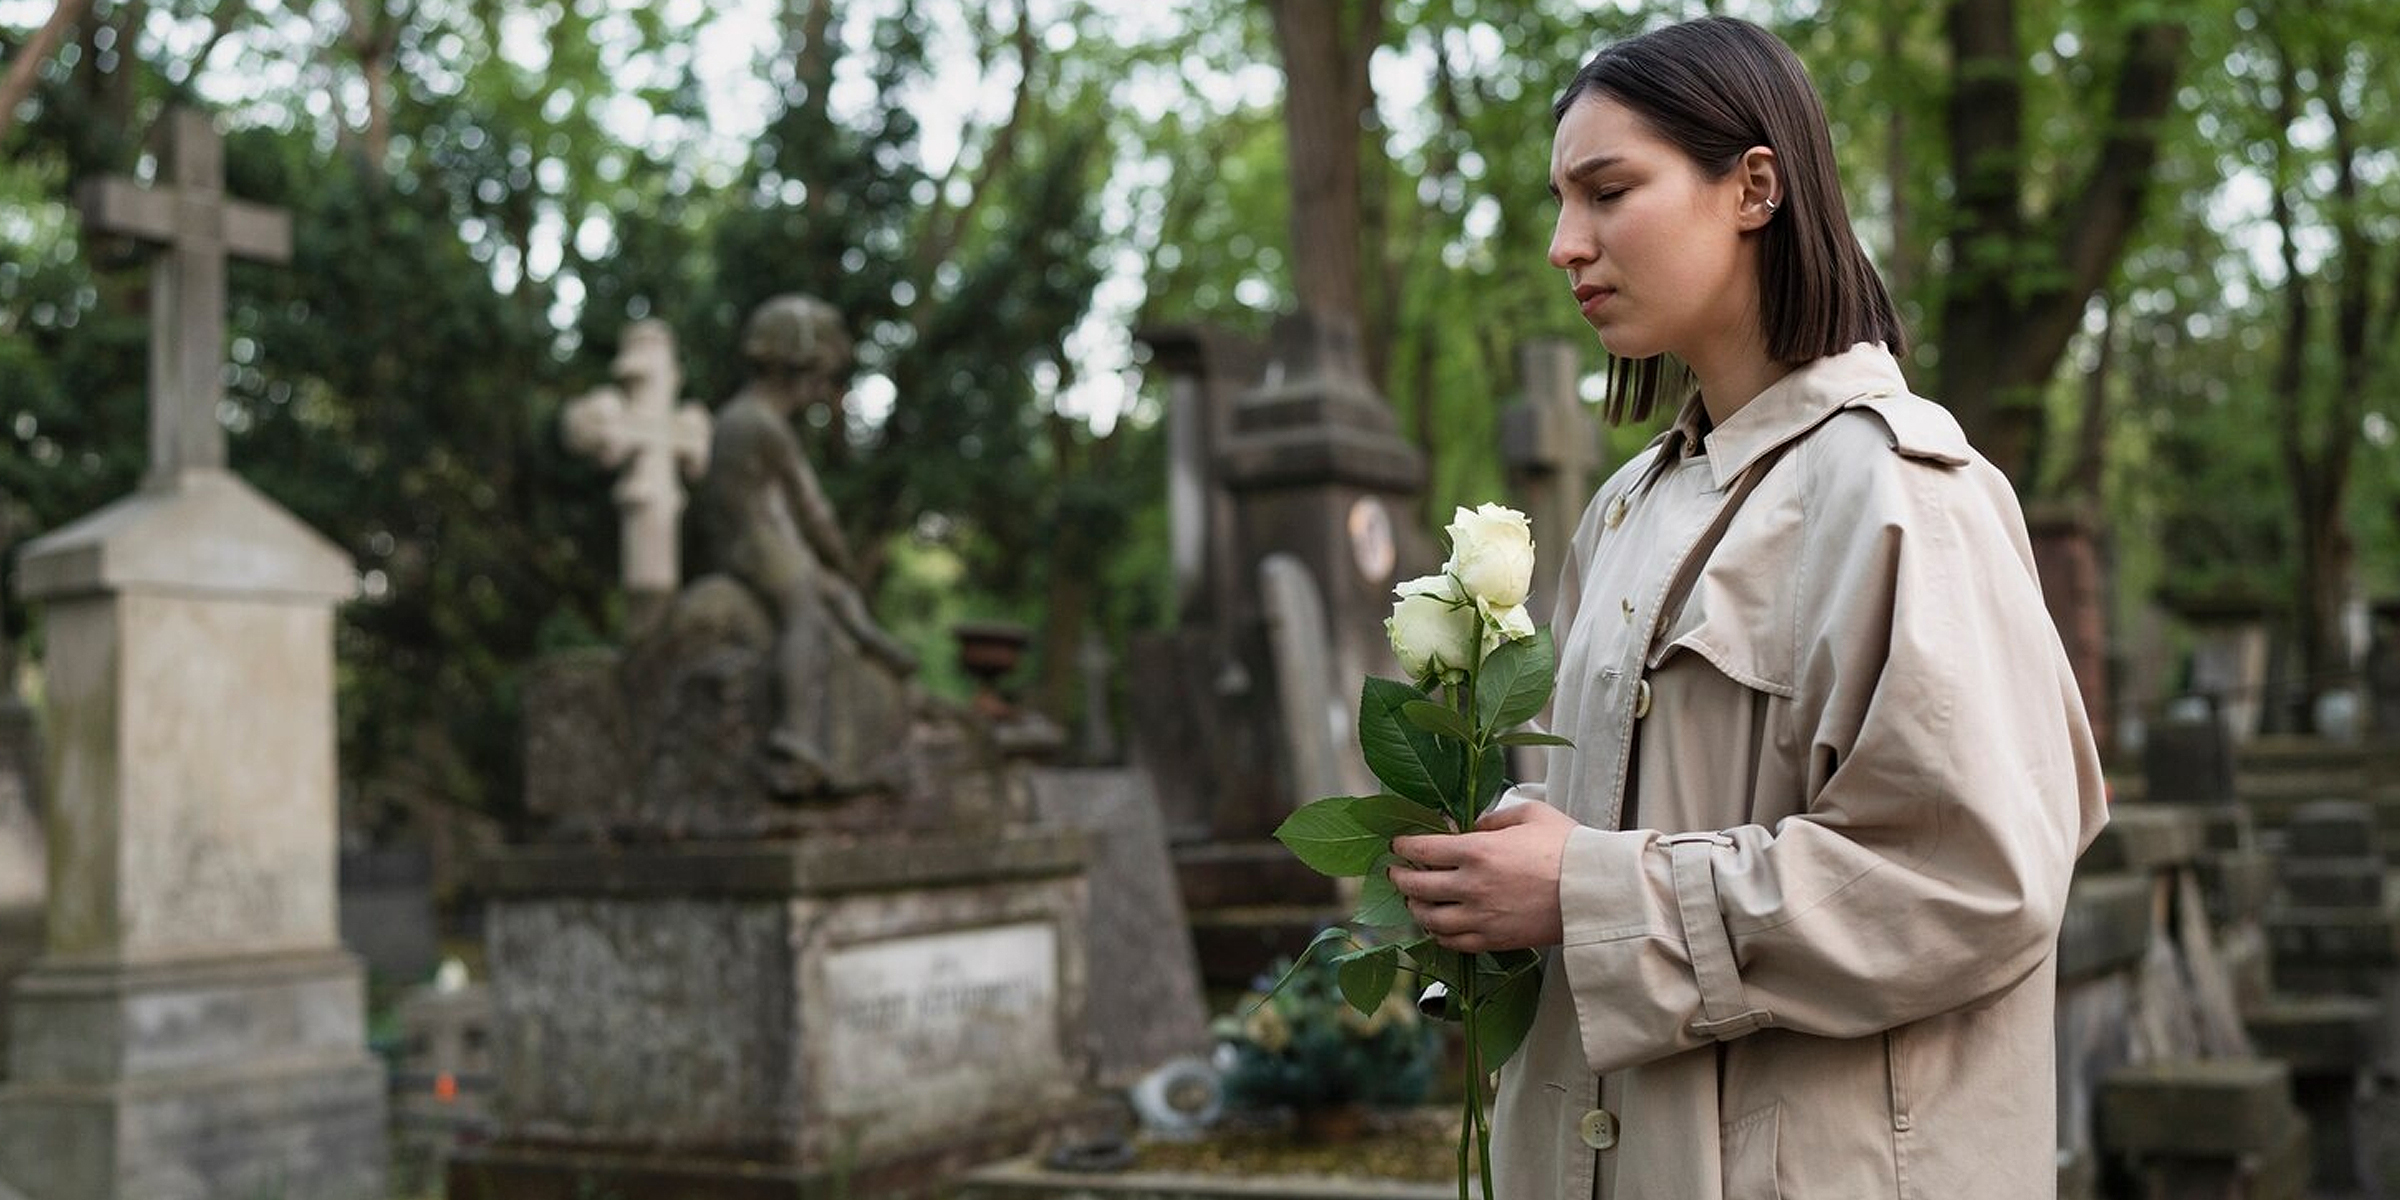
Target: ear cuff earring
column 1772, row 205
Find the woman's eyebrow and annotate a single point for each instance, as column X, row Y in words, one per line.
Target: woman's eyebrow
column 1589, row 165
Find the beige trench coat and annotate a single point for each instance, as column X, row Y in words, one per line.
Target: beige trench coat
column 1831, row 975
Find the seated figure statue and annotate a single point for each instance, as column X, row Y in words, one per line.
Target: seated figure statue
column 768, row 525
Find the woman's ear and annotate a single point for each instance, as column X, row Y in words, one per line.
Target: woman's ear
column 1762, row 187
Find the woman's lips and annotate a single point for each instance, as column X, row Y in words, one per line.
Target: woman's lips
column 1590, row 297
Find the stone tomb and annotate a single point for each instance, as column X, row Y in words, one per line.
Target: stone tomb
column 763, row 1020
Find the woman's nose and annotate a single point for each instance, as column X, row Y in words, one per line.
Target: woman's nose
column 1569, row 247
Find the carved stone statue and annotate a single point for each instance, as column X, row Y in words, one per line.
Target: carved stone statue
column 764, row 701
column 769, row 526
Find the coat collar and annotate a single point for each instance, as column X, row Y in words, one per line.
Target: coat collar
column 1789, row 407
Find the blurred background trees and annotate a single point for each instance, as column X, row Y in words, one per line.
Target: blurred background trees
column 2150, row 252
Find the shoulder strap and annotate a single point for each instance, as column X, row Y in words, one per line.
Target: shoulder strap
column 1687, row 573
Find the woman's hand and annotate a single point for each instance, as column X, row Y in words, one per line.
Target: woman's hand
column 1495, row 888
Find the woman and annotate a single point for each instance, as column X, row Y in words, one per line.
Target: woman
column 1802, row 872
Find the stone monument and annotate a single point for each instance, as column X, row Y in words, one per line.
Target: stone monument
column 1289, row 453
column 24, row 856
column 789, row 927
column 637, row 425
column 193, row 1029
column 1554, row 455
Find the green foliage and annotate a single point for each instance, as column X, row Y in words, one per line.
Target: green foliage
column 1308, row 1043
column 398, row 384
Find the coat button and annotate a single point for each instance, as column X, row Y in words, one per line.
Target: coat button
column 1616, row 512
column 1641, row 699
column 1599, row 1129
column 1627, row 607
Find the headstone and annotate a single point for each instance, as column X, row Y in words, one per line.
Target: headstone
column 1552, row 449
column 1319, row 730
column 387, row 911
column 639, row 426
column 2229, row 664
column 783, row 926
column 1150, row 1010
column 24, row 856
column 1288, row 453
column 193, row 1029
column 1098, row 746
column 2188, row 761
column 442, row 1076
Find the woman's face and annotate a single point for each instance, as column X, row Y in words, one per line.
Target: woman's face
column 1654, row 251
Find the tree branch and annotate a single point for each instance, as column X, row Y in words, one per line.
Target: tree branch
column 18, row 84
column 949, row 225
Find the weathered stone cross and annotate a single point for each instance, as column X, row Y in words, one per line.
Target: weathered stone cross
column 198, row 226
column 642, row 427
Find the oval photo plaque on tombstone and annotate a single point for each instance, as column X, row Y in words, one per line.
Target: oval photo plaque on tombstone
column 1371, row 544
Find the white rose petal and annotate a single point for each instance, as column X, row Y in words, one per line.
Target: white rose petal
column 1434, row 630
column 1491, row 554
column 1506, row 625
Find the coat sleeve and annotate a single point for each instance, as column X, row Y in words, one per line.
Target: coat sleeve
column 1951, row 776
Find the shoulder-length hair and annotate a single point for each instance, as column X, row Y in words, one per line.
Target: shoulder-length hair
column 1716, row 87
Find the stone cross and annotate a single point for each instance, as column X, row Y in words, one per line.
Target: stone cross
column 1099, row 743
column 1552, row 452
column 198, row 227
column 639, row 425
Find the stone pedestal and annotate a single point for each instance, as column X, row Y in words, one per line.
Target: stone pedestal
column 2224, row 1130
column 24, row 859
column 777, row 1019
column 192, row 1029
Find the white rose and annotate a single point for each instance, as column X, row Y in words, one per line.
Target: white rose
column 1491, row 553
column 1505, row 625
column 1434, row 629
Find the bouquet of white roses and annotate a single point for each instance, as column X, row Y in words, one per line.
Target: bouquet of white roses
column 1478, row 669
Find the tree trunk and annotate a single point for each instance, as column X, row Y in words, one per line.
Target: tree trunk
column 26, row 67
column 2000, row 343
column 1326, row 45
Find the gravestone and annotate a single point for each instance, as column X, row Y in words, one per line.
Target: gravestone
column 638, row 425
column 2229, row 662
column 193, row 1029
column 1552, row 449
column 1148, row 1010
column 1274, row 452
column 442, row 1079
column 2188, row 760
column 387, row 911
column 24, row 857
column 785, row 928
column 1320, row 732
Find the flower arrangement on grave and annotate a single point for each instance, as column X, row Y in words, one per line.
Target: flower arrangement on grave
column 1303, row 1046
column 1478, row 669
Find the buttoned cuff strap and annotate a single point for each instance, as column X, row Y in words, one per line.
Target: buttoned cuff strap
column 1724, row 1008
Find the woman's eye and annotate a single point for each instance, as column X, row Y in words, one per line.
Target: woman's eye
column 1608, row 195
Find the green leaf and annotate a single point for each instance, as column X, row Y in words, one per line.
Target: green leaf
column 1503, row 1017
column 1438, row 718
column 1328, row 837
column 1327, row 934
column 1409, row 761
column 1392, row 816
column 1379, row 903
column 1530, row 738
column 1366, row 977
column 1514, row 682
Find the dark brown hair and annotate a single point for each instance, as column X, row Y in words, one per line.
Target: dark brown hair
column 1714, row 88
